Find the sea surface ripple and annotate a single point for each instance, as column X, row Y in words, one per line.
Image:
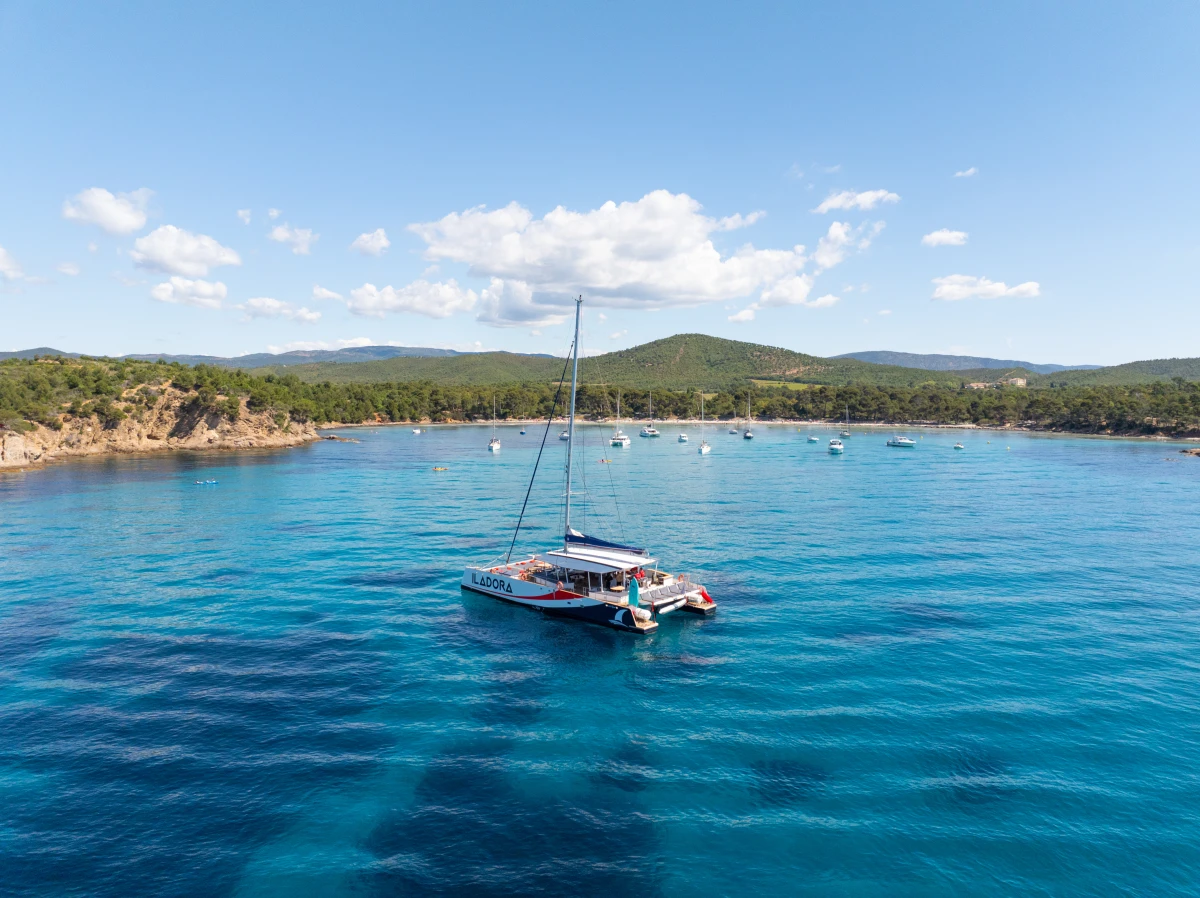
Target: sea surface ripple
column 933, row 672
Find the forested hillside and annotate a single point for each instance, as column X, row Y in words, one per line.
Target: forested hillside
column 47, row 391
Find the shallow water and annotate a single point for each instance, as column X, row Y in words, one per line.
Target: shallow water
column 932, row 672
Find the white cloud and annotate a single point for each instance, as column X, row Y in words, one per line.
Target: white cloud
column 437, row 300
column 373, row 244
column 737, row 220
column 266, row 307
column 302, row 345
column 244, row 215
column 618, row 335
column 945, row 237
column 848, row 199
column 92, row 247
column 884, row 312
column 792, row 292
column 840, row 239
column 10, row 269
column 320, row 292
column 68, row 268
column 969, row 173
column 299, row 239
column 832, row 169
column 182, row 291
column 175, row 251
column 273, row 214
column 795, row 172
column 824, row 302
column 743, row 316
column 656, row 252
column 120, row 214
column 963, row 286
column 602, row 317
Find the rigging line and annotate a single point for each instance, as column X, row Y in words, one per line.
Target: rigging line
column 545, row 433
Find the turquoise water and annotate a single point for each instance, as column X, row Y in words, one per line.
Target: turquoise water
column 932, row 673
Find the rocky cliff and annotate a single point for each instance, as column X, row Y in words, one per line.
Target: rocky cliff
column 157, row 420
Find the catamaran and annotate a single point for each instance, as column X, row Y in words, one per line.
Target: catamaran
column 494, row 442
column 619, row 437
column 704, row 447
column 650, row 430
column 588, row 578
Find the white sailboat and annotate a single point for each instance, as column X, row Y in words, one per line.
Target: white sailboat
column 588, row 578
column 619, row 437
column 494, row 442
column 650, row 430
column 748, row 434
column 704, row 447
column 846, row 432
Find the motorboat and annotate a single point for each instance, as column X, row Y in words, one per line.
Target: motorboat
column 901, row 442
column 565, row 435
column 959, row 446
column 683, row 438
column 416, row 430
column 813, row 439
column 836, row 446
column 587, row 578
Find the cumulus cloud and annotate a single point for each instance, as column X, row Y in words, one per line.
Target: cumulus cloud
column 244, row 215
column 273, row 214
column 320, row 292
column 791, row 292
column 10, row 269
column 849, row 199
column 374, row 243
column 962, row 286
column 299, row 239
column 742, row 316
column 656, row 252
column 437, row 300
column 68, row 268
column 183, row 291
column 120, row 214
column 303, row 345
column 266, row 307
column 824, row 302
column 945, row 237
column 173, row 250
column 840, row 239
column 618, row 335
column 969, row 173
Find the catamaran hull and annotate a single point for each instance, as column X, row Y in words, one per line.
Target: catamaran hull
column 559, row 602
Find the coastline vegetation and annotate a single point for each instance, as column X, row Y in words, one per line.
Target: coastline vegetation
column 45, row 390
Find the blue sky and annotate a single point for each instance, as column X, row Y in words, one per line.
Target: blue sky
column 133, row 134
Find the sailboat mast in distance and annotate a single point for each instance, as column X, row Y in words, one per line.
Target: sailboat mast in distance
column 571, row 420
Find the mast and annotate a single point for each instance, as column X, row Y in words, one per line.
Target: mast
column 571, row 421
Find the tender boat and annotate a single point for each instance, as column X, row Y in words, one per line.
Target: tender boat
column 704, row 447
column 494, row 442
column 836, row 447
column 959, row 446
column 588, row 578
column 902, row 442
column 813, row 439
column 416, row 430
column 683, row 438
column 650, row 430
column 565, row 435
column 619, row 437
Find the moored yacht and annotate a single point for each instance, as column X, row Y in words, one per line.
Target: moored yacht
column 683, row 438
column 959, row 446
column 748, row 434
column 619, row 437
column 494, row 442
column 902, row 442
column 836, row 446
column 704, row 447
column 813, row 439
column 650, row 430
column 588, row 578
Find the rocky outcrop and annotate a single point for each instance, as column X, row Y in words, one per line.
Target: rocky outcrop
column 167, row 420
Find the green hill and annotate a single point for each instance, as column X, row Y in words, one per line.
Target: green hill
column 1151, row 371
column 685, row 361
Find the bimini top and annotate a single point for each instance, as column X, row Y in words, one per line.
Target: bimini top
column 595, row 561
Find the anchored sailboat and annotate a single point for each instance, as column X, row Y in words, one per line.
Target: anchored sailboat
column 588, row 578
column 749, row 434
column 494, row 442
column 650, row 430
column 704, row 447
column 619, row 437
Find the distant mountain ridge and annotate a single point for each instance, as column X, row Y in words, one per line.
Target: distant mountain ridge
column 938, row 362
column 348, row 355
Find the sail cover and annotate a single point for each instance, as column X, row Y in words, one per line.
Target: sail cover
column 575, row 538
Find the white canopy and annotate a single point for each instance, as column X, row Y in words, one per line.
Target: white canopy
column 595, row 561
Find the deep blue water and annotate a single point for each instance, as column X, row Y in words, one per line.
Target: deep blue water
column 932, row 673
